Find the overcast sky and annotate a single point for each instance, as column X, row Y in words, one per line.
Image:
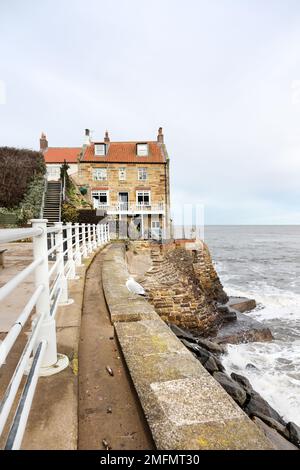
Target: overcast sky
column 222, row 77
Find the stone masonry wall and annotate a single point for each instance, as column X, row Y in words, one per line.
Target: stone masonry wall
column 156, row 180
column 183, row 286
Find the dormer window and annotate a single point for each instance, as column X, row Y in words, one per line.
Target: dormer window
column 142, row 150
column 100, row 150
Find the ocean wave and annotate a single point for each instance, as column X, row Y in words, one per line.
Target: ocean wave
column 272, row 303
column 277, row 373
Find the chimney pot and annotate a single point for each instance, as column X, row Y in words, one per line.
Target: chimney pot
column 43, row 142
column 87, row 138
column 106, row 137
column 160, row 136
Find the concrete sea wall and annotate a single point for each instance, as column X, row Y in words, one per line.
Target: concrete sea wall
column 184, row 406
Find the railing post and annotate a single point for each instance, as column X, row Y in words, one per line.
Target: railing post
column 89, row 246
column 94, row 237
column 72, row 272
column 47, row 331
column 105, row 232
column 83, row 237
column 64, row 296
column 98, row 235
column 101, row 234
column 77, row 246
column 108, row 235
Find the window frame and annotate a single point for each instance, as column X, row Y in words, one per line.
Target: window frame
column 125, row 175
column 144, row 144
column 95, row 170
column 141, row 191
column 142, row 170
column 99, row 192
column 100, row 154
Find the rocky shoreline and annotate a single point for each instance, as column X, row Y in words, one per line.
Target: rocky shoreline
column 283, row 435
column 184, row 288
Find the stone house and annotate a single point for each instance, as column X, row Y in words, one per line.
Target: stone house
column 127, row 181
column 55, row 157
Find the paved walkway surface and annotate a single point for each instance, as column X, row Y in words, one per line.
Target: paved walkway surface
column 17, row 257
column 109, row 410
column 57, row 420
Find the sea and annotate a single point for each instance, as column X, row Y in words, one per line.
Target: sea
column 263, row 262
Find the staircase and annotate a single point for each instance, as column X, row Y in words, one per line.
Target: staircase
column 52, row 202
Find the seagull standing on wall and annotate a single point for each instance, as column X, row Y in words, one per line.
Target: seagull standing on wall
column 134, row 287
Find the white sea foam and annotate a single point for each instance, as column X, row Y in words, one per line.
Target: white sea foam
column 264, row 263
column 277, row 377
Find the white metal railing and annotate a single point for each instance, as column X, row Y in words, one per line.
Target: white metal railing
column 131, row 208
column 64, row 246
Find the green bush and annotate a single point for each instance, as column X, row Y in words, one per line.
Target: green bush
column 69, row 213
column 30, row 206
column 83, row 190
column 18, row 168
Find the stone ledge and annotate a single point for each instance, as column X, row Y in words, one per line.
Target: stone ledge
column 184, row 406
column 122, row 305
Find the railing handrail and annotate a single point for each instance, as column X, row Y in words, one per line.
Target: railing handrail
column 68, row 245
column 126, row 206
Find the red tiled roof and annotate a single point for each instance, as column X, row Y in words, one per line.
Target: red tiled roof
column 60, row 154
column 120, row 152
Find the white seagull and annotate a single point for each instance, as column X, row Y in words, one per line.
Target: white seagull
column 134, row 287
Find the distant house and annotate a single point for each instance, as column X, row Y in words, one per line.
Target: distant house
column 125, row 180
column 55, row 157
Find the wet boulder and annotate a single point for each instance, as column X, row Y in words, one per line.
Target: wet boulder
column 232, row 388
column 294, row 433
column 202, row 354
column 257, row 405
column 211, row 365
column 243, row 381
column 211, row 346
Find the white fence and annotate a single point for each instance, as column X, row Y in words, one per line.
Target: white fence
column 57, row 251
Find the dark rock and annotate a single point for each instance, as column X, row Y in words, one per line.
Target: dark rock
column 202, row 354
column 244, row 329
column 251, row 366
column 211, row 365
column 180, row 333
column 278, row 442
column 294, row 433
column 231, row 387
column 241, row 304
column 243, row 381
column 257, row 405
column 219, row 364
column 274, row 424
column 210, row 346
column 228, row 314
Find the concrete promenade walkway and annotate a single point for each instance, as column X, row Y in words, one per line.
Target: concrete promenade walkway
column 58, row 420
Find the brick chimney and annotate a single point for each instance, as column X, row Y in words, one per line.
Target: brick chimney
column 43, row 142
column 87, row 137
column 106, row 137
column 160, row 136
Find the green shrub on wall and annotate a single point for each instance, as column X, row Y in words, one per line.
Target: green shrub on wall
column 18, row 168
column 69, row 213
column 30, row 206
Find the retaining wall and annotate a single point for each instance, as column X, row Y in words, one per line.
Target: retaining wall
column 184, row 406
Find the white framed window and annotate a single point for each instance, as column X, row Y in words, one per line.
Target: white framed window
column 143, row 198
column 142, row 174
column 155, row 225
column 100, row 174
column 100, row 150
column 100, row 199
column 142, row 150
column 122, row 173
